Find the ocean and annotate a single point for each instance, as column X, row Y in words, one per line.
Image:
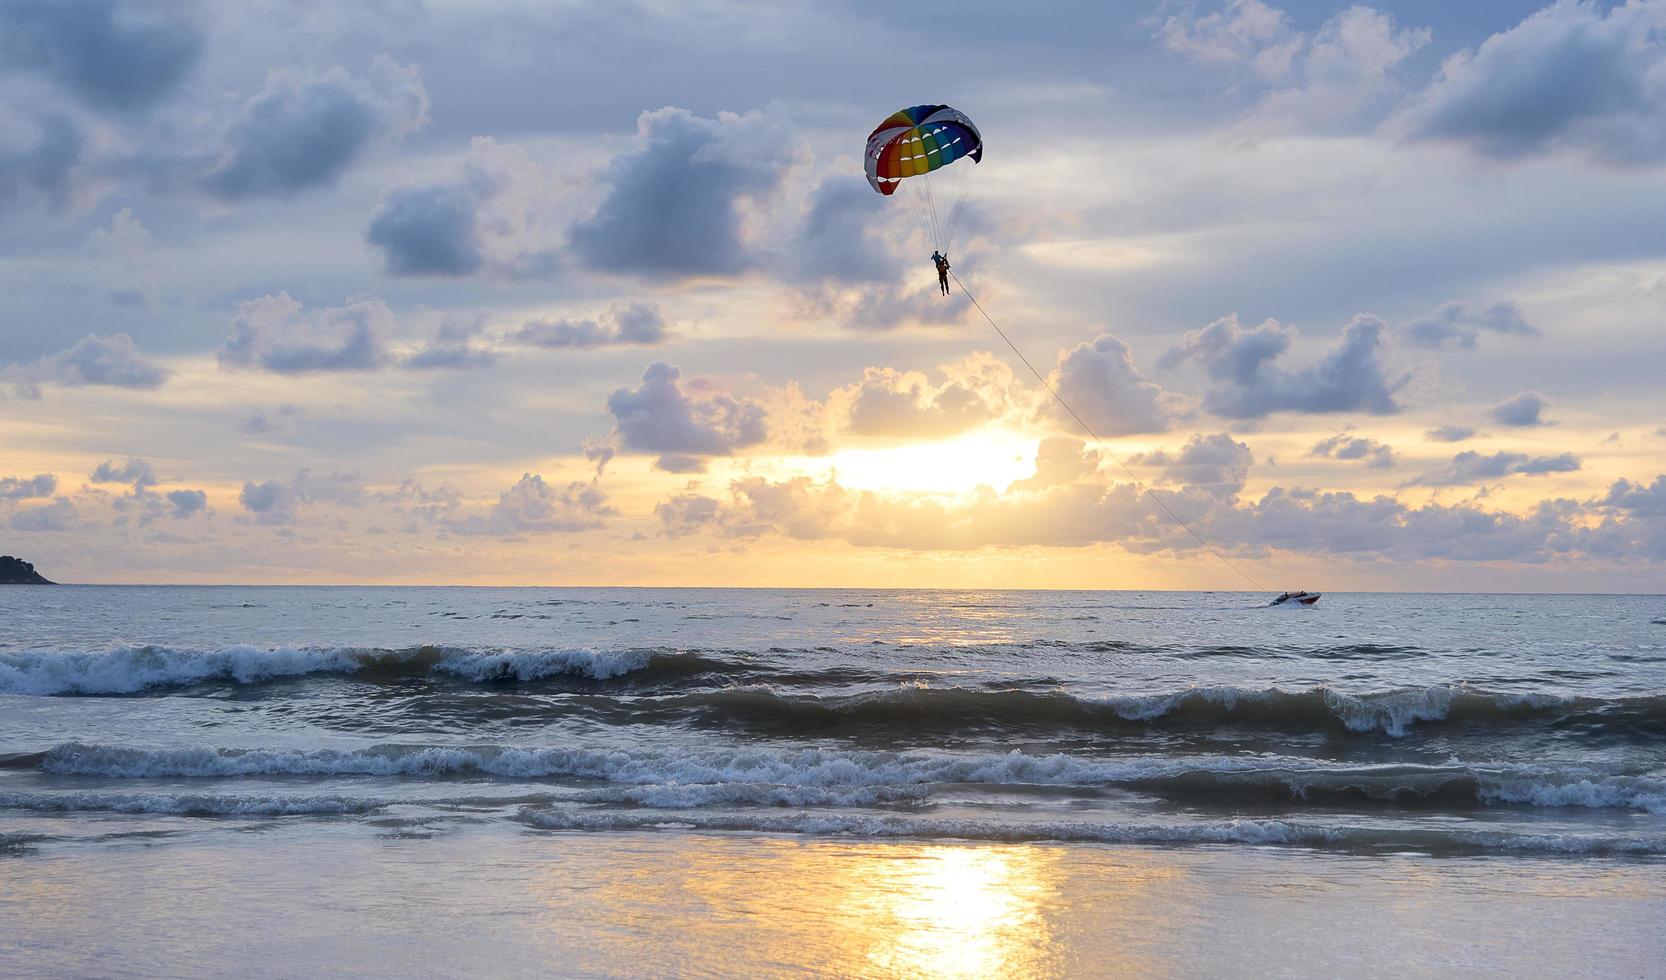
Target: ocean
column 425, row 781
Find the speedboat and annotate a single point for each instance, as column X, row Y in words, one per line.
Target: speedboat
column 1296, row 599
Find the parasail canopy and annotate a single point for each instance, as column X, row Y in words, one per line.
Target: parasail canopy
column 919, row 140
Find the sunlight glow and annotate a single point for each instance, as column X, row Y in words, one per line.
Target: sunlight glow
column 959, row 465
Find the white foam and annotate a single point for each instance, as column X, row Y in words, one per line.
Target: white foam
column 190, row 804
column 129, row 669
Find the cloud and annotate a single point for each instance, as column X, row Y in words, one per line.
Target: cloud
column 113, row 56
column 24, row 488
column 304, row 131
column 273, row 334
column 675, row 205
column 1243, row 32
column 1079, row 514
column 262, row 421
column 1058, row 461
column 898, row 404
column 59, row 515
column 1248, row 384
column 133, row 471
column 455, row 345
column 1346, row 68
column 1100, row 382
column 1459, row 325
column 1449, row 433
column 1472, row 467
column 630, row 323
column 278, row 502
column 108, row 361
column 1315, row 80
column 1523, row 409
column 186, row 503
column 427, row 231
column 843, row 238
column 683, row 422
column 1343, row 446
column 1215, row 464
column 1643, row 500
column 1572, row 77
column 39, row 156
column 494, row 218
column 532, row 506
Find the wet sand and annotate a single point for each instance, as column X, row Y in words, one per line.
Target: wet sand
column 274, row 900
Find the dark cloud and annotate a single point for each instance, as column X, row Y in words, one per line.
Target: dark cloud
column 427, row 231
column 1473, row 467
column 673, row 205
column 1573, row 76
column 24, row 488
column 1521, row 410
column 455, row 345
column 630, row 323
column 114, row 56
column 279, row 502
column 1449, row 433
column 136, row 472
column 843, row 237
column 186, row 503
column 261, row 421
column 302, row 132
column 1459, row 325
column 674, row 420
column 1343, row 446
column 1643, row 500
column 532, row 506
column 59, row 515
column 1100, row 382
column 273, row 334
column 1248, row 384
column 493, row 218
column 109, row 361
column 38, row 158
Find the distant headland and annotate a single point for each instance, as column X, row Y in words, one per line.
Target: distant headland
column 16, row 571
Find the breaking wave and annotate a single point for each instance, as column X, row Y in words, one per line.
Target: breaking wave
column 1393, row 712
column 1254, row 832
column 131, row 669
column 819, row 777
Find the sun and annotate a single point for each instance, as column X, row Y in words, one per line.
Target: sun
column 953, row 466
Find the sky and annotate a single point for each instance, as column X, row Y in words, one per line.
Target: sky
column 516, row 292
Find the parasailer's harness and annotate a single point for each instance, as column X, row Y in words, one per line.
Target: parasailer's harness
column 1101, row 443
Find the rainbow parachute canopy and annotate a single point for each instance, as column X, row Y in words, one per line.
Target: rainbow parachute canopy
column 918, row 140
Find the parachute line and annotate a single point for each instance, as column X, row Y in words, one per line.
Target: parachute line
column 1101, row 443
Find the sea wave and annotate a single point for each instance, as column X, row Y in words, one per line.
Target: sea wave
column 1395, row 712
column 1266, row 833
column 131, row 669
column 812, row 777
column 189, row 804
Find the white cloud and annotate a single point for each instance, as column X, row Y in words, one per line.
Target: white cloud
column 1100, row 382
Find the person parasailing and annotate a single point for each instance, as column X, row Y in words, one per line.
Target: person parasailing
column 909, row 150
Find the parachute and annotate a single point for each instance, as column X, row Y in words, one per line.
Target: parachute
column 913, row 150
